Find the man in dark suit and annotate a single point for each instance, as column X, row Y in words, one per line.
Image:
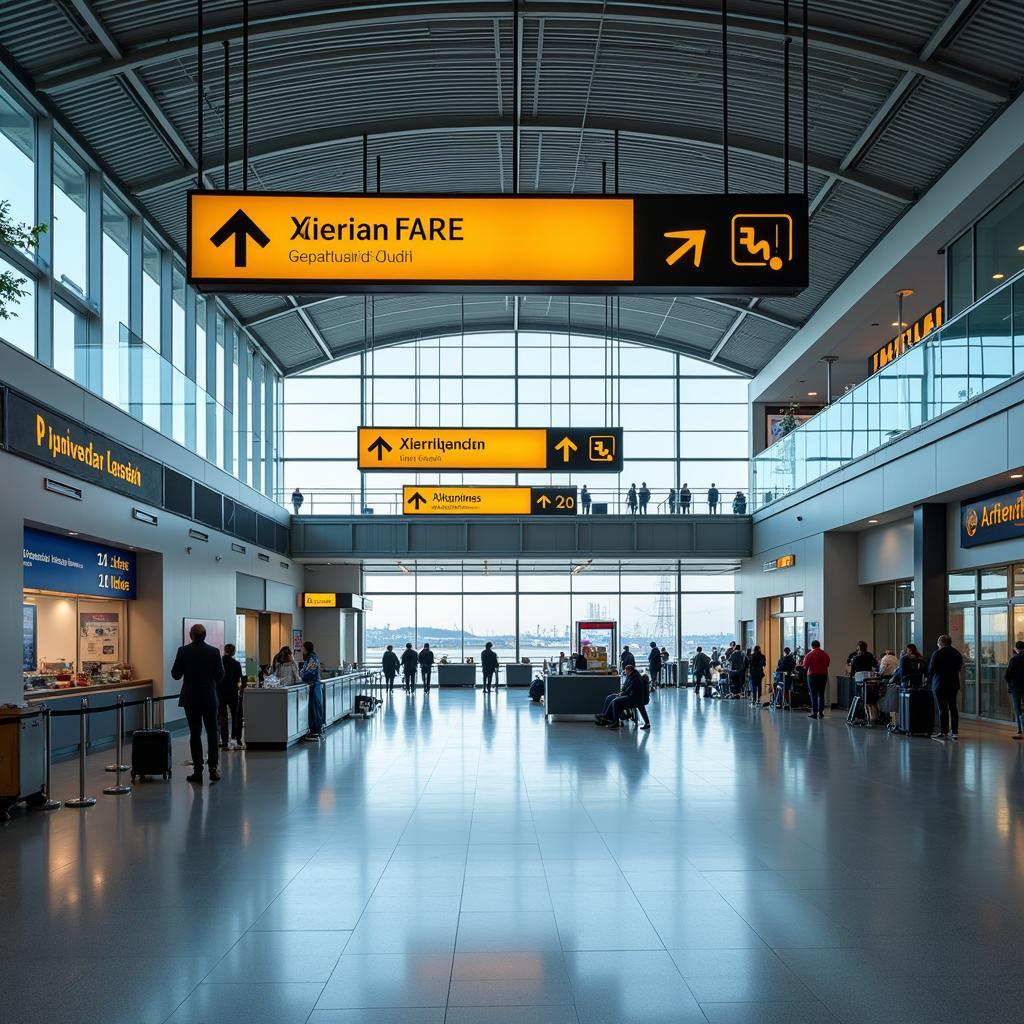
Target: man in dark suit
column 944, row 668
column 200, row 669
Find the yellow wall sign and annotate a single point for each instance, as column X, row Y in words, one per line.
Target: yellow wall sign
column 430, row 500
column 915, row 333
column 343, row 242
column 319, row 600
column 782, row 562
column 434, row 449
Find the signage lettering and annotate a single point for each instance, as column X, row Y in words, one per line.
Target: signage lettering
column 997, row 517
column 490, row 448
column 782, row 562
column 319, row 600
column 425, row 500
column 906, row 340
column 675, row 244
column 70, row 565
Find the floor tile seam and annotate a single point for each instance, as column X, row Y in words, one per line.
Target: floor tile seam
column 458, row 925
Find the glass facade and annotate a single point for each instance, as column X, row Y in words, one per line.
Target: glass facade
column 684, row 421
column 147, row 353
column 893, row 616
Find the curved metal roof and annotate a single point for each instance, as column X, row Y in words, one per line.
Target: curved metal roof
column 431, row 84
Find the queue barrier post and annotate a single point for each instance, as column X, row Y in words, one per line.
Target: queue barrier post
column 50, row 804
column 82, row 800
column 119, row 788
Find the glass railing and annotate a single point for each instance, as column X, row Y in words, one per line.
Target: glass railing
column 978, row 350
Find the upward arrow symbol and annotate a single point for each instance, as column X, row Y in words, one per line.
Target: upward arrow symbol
column 379, row 446
column 543, row 501
column 416, row 500
column 242, row 226
column 565, row 446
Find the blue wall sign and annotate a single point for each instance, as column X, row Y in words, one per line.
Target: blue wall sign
column 28, row 637
column 72, row 566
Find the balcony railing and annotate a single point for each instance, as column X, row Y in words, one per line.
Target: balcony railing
column 978, row 350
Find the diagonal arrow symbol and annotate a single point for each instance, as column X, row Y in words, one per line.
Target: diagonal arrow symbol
column 416, row 500
column 242, row 227
column 379, row 446
column 692, row 240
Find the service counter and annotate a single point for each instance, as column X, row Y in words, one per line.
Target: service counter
column 278, row 716
column 579, row 696
column 455, row 675
column 518, row 675
column 101, row 728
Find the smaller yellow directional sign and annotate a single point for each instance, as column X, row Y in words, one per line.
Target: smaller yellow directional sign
column 437, row 449
column 431, row 500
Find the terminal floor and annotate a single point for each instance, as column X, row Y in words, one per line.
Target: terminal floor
column 457, row 860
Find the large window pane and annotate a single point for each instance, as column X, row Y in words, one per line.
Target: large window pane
column 151, row 294
column 70, row 222
column 999, row 236
column 115, row 304
column 17, row 157
column 19, row 329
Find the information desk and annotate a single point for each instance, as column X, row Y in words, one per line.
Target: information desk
column 518, row 675
column 455, row 675
column 579, row 696
column 278, row 716
column 100, row 729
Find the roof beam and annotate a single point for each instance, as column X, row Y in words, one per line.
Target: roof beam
column 164, row 41
column 693, row 136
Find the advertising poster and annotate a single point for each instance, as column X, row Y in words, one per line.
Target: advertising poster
column 28, row 634
column 297, row 643
column 214, row 631
column 99, row 635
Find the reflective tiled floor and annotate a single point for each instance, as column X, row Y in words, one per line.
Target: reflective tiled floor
column 457, row 860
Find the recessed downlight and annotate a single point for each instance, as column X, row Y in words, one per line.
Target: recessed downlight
column 872, row 520
column 998, row 277
column 1017, row 476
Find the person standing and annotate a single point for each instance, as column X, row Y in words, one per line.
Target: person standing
column 489, row 663
column 1015, row 684
column 944, row 668
column 685, row 497
column 626, row 658
column 861, row 660
column 200, row 669
column 426, row 660
column 739, row 504
column 309, row 672
column 297, row 500
column 701, row 671
column 654, row 664
column 816, row 661
column 712, row 499
column 671, row 501
column 229, row 700
column 631, row 499
column 737, row 669
column 758, row 662
column 409, row 665
column 585, row 500
column 390, row 664
column 645, row 497
column 888, row 663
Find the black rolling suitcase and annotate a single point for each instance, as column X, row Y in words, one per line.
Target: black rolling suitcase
column 799, row 695
column 151, row 753
column 916, row 712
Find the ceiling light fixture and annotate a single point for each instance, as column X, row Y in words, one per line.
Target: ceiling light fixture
column 1020, row 248
column 998, row 277
column 896, row 323
column 1017, row 476
column 404, row 568
column 812, row 394
column 872, row 520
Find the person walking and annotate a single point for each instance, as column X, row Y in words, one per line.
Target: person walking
column 200, row 669
column 739, row 504
column 701, row 671
column 1015, row 684
column 297, row 500
column 390, row 664
column 229, row 701
column 671, row 501
column 756, row 668
column 626, row 658
column 816, row 661
column 489, row 663
column 631, row 499
column 654, row 664
column 426, row 660
column 685, row 497
column 585, row 500
column 409, row 665
column 712, row 499
column 645, row 497
column 944, row 668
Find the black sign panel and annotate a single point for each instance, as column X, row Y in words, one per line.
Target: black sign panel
column 44, row 436
column 996, row 517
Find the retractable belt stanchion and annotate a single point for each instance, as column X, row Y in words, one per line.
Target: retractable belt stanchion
column 82, row 800
column 119, row 789
column 51, row 804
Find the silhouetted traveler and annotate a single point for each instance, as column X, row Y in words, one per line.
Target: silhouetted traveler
column 670, row 500
column 409, row 665
column 390, row 664
column 1015, row 684
column 626, row 658
column 739, row 504
column 489, row 663
column 816, row 661
column 645, row 497
column 756, row 668
column 630, row 694
column 585, row 500
column 911, row 670
column 309, row 671
column 712, row 500
column 701, row 666
column 580, row 661
column 631, row 499
column 229, row 701
column 685, row 496
column 737, row 670
column 426, row 660
column 654, row 664
column 200, row 669
column 944, row 668
column 861, row 660
column 297, row 500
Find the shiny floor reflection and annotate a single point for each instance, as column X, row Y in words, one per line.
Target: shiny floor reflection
column 457, row 860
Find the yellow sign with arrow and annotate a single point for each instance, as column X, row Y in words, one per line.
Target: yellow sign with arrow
column 461, row 500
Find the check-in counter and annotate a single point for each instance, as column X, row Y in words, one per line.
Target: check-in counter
column 456, row 675
column 579, row 696
column 278, row 716
column 518, row 675
column 100, row 728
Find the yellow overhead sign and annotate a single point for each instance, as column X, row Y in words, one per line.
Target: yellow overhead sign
column 434, row 449
column 430, row 500
column 319, row 600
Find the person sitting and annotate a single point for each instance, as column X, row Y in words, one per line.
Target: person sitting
column 739, row 504
column 635, row 693
column 888, row 664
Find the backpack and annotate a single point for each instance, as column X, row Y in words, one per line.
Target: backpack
column 536, row 690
